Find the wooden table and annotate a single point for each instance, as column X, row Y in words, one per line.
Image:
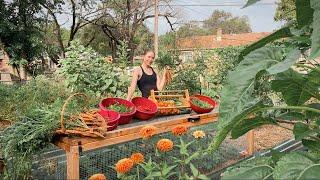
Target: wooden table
column 124, row 133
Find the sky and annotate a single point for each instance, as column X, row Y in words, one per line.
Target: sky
column 260, row 15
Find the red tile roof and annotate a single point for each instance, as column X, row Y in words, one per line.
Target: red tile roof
column 210, row 42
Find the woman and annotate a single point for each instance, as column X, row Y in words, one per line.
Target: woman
column 145, row 77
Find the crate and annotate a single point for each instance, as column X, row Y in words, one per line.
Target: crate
column 171, row 102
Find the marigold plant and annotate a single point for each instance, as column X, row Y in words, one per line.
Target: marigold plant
column 198, row 134
column 98, row 177
column 148, row 131
column 124, row 165
column 179, row 130
column 137, row 158
column 164, row 145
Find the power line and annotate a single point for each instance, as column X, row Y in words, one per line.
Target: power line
column 214, row 5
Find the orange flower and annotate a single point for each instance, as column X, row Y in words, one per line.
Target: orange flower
column 98, row 177
column 164, row 145
column 124, row 165
column 198, row 134
column 148, row 131
column 179, row 130
column 137, row 158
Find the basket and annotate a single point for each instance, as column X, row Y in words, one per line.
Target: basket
column 146, row 109
column 125, row 118
column 111, row 117
column 200, row 110
column 166, row 101
column 89, row 123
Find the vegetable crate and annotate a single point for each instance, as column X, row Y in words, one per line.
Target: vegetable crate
column 171, row 102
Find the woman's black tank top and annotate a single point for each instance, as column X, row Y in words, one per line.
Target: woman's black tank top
column 147, row 83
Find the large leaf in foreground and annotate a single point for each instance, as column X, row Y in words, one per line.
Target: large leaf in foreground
column 237, row 100
column 295, row 88
column 290, row 60
column 257, row 168
column 256, row 172
column 315, row 37
column 304, row 12
column 247, row 124
column 311, row 172
column 281, row 33
column 250, row 2
column 291, row 166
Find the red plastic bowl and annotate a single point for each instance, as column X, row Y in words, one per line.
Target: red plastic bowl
column 111, row 117
column 125, row 118
column 146, row 109
column 200, row 110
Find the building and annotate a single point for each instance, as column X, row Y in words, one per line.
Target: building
column 7, row 72
column 189, row 46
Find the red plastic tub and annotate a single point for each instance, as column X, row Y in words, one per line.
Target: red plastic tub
column 111, row 117
column 125, row 118
column 146, row 109
column 200, row 110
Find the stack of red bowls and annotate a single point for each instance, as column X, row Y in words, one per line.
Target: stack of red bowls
column 125, row 118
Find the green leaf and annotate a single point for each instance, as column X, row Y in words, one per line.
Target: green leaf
column 166, row 170
column 313, row 115
column 256, row 172
column 237, row 100
column 247, row 124
column 294, row 87
column 292, row 116
column 304, row 12
column 250, row 2
column 276, row 155
column 291, row 165
column 290, row 60
column 312, row 145
column 194, row 170
column 203, row 177
column 315, row 37
column 312, row 172
column 281, row 33
column 301, row 130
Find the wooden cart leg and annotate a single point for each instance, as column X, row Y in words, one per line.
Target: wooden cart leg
column 73, row 172
column 250, row 142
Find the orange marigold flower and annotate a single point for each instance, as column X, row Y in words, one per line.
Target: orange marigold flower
column 198, row 134
column 148, row 131
column 137, row 158
column 179, row 130
column 124, row 165
column 164, row 145
column 98, row 177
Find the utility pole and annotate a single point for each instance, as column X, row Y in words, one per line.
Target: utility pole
column 156, row 19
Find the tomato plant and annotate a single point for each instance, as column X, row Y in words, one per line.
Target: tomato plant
column 296, row 82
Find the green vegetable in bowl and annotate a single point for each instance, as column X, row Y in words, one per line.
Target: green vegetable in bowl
column 119, row 108
column 201, row 103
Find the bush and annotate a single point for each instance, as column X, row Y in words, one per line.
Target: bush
column 86, row 71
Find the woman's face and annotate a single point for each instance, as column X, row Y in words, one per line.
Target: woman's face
column 148, row 58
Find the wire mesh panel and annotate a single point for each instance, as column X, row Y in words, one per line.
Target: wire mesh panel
column 103, row 160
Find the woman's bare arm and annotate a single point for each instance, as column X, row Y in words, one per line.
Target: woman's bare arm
column 132, row 88
column 161, row 82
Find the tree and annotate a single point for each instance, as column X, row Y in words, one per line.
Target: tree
column 285, row 11
column 227, row 22
column 218, row 20
column 82, row 13
column 20, row 31
column 122, row 20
